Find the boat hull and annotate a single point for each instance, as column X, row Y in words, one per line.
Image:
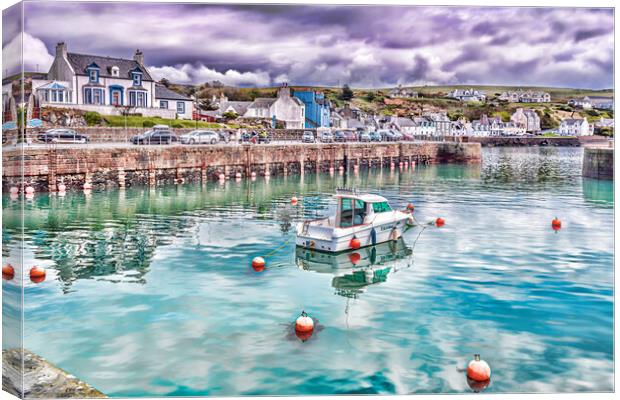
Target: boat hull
column 339, row 239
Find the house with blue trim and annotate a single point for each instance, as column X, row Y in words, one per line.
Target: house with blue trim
column 103, row 84
column 317, row 106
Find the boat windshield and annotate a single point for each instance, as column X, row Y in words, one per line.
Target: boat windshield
column 381, row 207
column 352, row 212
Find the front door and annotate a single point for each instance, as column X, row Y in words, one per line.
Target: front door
column 116, row 98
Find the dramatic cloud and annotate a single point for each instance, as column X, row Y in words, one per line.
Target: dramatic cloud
column 364, row 46
column 35, row 54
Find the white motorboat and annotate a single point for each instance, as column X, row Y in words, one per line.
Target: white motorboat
column 360, row 220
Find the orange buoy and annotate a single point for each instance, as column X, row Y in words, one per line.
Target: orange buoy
column 478, row 370
column 355, row 258
column 355, row 243
column 258, row 264
column 304, row 323
column 410, row 207
column 8, row 272
column 556, row 224
column 303, row 336
column 37, row 274
column 476, row 386
column 293, row 200
column 439, row 222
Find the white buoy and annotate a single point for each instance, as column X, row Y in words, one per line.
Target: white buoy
column 253, row 174
column 29, row 190
column 62, row 187
column 88, row 186
column 238, row 175
column 13, row 190
column 222, row 177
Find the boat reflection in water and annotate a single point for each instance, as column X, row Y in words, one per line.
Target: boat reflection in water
column 356, row 269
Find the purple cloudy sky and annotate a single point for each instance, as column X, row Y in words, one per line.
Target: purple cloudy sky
column 367, row 46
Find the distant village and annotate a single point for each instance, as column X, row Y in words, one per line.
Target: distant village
column 117, row 86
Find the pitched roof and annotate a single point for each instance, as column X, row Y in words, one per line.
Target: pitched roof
column 162, row 92
column 572, row 121
column 240, row 107
column 80, row 62
column 263, row 102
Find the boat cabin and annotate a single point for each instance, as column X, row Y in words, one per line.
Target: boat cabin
column 354, row 210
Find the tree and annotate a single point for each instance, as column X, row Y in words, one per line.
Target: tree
column 165, row 82
column 346, row 94
column 205, row 104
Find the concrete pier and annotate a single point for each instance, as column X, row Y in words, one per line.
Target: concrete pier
column 598, row 162
column 152, row 165
column 41, row 379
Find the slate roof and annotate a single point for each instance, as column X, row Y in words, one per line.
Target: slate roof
column 572, row 121
column 162, row 92
column 263, row 102
column 240, row 107
column 79, row 62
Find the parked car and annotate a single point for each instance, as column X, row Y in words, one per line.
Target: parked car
column 199, row 137
column 62, row 135
column 375, row 136
column 396, row 135
column 364, row 137
column 385, row 134
column 307, row 137
column 345, row 136
column 407, row 136
column 155, row 136
column 326, row 137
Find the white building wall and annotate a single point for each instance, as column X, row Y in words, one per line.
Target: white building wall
column 172, row 107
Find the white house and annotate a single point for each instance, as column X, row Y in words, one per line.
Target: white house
column 98, row 83
column 285, row 108
column 166, row 99
column 527, row 119
column 528, row 96
column 401, row 92
column 584, row 103
column 467, row 95
column 575, row 127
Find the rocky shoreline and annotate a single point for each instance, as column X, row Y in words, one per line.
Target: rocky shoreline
column 41, row 379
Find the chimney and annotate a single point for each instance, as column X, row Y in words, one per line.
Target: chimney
column 284, row 91
column 61, row 49
column 139, row 57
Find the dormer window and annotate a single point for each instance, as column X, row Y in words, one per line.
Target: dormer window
column 93, row 73
column 114, row 71
column 137, row 78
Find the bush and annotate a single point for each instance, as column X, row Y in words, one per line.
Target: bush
column 177, row 125
column 92, row 118
column 148, row 124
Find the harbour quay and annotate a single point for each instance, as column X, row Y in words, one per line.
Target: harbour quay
column 44, row 168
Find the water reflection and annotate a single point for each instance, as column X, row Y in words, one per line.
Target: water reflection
column 354, row 270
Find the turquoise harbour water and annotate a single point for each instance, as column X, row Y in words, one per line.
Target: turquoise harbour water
column 150, row 291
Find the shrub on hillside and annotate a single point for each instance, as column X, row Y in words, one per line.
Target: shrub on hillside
column 92, row 118
column 177, row 125
column 148, row 123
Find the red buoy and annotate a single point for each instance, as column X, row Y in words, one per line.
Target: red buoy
column 8, row 272
column 556, row 224
column 355, row 258
column 410, row 207
column 355, row 243
column 258, row 264
column 439, row 222
column 478, row 370
column 303, row 336
column 304, row 323
column 293, row 200
column 37, row 274
column 476, row 386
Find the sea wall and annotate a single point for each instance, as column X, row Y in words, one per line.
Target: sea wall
column 45, row 168
column 598, row 162
column 519, row 141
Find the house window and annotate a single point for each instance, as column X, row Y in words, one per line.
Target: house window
column 163, row 104
column 180, row 107
column 137, row 79
column 93, row 75
column 114, row 71
column 137, row 98
column 93, row 96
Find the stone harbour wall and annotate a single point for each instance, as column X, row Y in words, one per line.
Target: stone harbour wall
column 598, row 162
column 46, row 168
